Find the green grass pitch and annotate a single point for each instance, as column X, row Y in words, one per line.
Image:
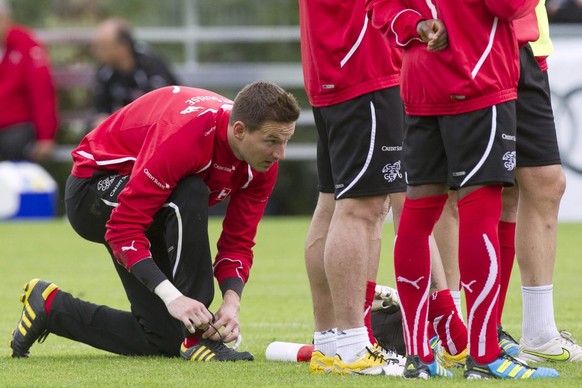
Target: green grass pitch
column 276, row 306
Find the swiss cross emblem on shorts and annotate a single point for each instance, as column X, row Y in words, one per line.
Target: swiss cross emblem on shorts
column 223, row 194
column 509, row 160
column 104, row 184
column 392, row 171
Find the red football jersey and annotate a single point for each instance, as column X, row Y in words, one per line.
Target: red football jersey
column 160, row 138
column 343, row 56
column 27, row 93
column 479, row 68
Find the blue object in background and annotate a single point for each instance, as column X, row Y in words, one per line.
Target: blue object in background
column 27, row 191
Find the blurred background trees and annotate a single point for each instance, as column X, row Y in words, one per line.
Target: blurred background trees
column 215, row 44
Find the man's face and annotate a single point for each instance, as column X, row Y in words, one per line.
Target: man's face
column 106, row 47
column 265, row 146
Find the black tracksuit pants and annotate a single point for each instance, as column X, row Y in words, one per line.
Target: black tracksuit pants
column 17, row 141
column 179, row 246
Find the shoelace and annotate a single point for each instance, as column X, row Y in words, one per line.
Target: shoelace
column 567, row 336
column 219, row 348
column 515, row 360
column 376, row 355
column 214, row 345
column 215, row 329
column 388, row 352
column 236, row 344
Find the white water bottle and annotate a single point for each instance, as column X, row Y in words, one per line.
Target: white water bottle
column 288, row 351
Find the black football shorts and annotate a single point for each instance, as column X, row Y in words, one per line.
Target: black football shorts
column 473, row 148
column 537, row 144
column 359, row 145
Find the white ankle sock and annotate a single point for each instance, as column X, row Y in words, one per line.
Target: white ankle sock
column 538, row 325
column 457, row 299
column 325, row 342
column 350, row 342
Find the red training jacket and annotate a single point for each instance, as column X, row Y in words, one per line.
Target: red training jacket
column 480, row 68
column 343, row 56
column 160, row 138
column 27, row 94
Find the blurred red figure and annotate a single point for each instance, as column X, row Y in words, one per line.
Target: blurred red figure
column 28, row 118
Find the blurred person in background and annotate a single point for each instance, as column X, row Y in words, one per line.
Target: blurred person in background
column 564, row 11
column 128, row 68
column 28, row 113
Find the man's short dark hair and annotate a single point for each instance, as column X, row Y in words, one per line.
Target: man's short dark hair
column 264, row 101
column 124, row 32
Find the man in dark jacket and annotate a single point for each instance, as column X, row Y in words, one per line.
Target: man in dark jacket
column 128, row 70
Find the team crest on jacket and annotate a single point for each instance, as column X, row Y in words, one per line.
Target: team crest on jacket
column 509, row 160
column 392, row 171
column 104, row 184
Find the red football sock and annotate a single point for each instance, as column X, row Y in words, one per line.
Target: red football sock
column 370, row 292
column 507, row 249
column 429, row 328
column 412, row 269
column 192, row 339
column 479, row 214
column 48, row 304
column 446, row 321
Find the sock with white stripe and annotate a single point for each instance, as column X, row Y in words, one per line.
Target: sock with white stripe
column 456, row 295
column 412, row 270
column 506, row 233
column 479, row 214
column 446, row 321
column 370, row 294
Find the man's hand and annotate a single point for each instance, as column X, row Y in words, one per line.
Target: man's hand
column 42, row 150
column 190, row 312
column 434, row 33
column 226, row 323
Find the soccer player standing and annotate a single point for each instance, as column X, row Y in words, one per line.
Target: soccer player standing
column 352, row 80
column 534, row 202
column 459, row 79
column 141, row 185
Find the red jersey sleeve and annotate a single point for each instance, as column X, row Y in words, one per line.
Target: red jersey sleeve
column 245, row 209
column 395, row 20
column 41, row 92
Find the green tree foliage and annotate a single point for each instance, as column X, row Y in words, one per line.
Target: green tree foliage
column 151, row 13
